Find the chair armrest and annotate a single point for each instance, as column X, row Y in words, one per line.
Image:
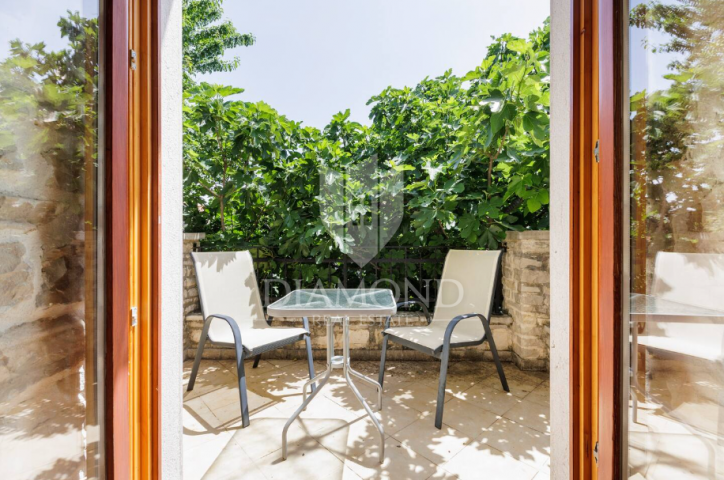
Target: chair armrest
column 416, row 302
column 453, row 323
column 488, row 335
column 306, row 323
column 232, row 323
column 226, row 318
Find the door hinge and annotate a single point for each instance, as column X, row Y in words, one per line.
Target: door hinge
column 134, row 316
column 595, row 453
column 595, row 151
column 133, row 56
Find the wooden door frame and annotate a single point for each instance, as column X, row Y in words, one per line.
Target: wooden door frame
column 611, row 237
column 117, row 260
column 115, row 63
column 583, row 192
column 597, row 243
column 156, row 211
column 144, row 231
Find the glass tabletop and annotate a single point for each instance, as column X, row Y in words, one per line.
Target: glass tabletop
column 334, row 302
column 648, row 308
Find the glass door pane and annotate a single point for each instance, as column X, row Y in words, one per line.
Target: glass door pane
column 676, row 335
column 51, row 312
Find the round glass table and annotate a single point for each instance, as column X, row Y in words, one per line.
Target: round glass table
column 336, row 306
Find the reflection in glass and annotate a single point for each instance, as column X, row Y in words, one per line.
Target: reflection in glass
column 50, row 307
column 676, row 71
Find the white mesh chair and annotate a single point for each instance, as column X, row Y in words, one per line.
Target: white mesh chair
column 234, row 316
column 695, row 279
column 690, row 279
column 461, row 317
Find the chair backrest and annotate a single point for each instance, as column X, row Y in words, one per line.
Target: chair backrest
column 467, row 284
column 227, row 286
column 692, row 279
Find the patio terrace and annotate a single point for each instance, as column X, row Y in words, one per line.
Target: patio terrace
column 486, row 431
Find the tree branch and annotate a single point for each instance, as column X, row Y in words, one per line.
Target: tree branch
column 494, row 157
column 513, row 206
column 209, row 190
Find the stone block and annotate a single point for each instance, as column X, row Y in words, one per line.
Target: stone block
column 531, row 364
column 15, row 287
column 531, row 299
column 25, row 210
column 11, row 256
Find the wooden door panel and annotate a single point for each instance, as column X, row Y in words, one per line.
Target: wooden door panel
column 132, row 241
column 584, row 240
column 144, row 249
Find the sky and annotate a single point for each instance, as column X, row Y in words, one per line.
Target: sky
column 646, row 68
column 314, row 58
column 34, row 21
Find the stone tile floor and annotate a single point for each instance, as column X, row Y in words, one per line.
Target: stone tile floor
column 487, row 433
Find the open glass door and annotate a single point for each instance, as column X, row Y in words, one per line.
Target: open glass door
column 675, row 316
column 52, row 321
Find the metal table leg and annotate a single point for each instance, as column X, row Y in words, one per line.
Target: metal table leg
column 634, row 371
column 353, row 387
column 339, row 361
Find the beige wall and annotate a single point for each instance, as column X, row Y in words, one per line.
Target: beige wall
column 171, row 240
column 560, row 227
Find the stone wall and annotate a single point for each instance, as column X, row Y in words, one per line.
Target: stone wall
column 521, row 335
column 526, row 296
column 191, row 291
column 365, row 340
column 41, row 291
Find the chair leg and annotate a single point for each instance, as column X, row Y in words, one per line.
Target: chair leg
column 383, row 359
column 310, row 359
column 258, row 357
column 242, row 384
column 441, row 387
column 238, row 349
column 199, row 353
column 494, row 350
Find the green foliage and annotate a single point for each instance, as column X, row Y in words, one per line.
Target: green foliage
column 231, row 148
column 478, row 146
column 49, row 102
column 474, row 151
column 206, row 38
column 205, row 41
